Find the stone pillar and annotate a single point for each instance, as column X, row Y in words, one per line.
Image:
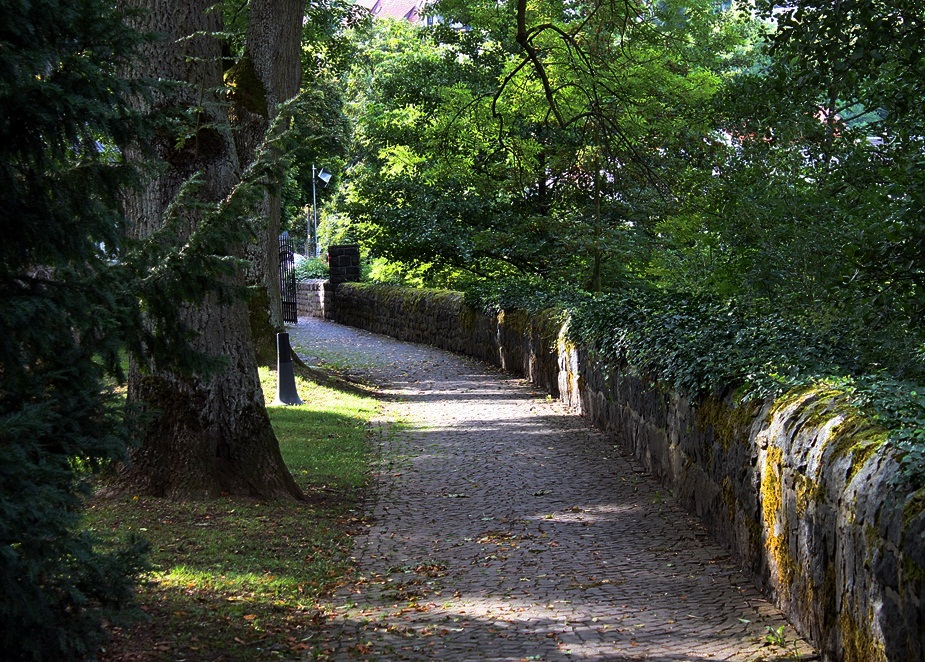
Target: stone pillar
column 344, row 263
column 327, row 300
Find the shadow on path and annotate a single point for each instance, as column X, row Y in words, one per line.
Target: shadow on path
column 504, row 528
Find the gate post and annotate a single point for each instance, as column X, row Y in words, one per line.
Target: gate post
column 344, row 263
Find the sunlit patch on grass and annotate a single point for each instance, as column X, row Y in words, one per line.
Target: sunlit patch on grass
column 323, row 440
column 245, row 579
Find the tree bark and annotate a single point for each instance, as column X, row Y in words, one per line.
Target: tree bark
column 268, row 74
column 209, row 435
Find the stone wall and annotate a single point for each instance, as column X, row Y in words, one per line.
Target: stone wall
column 798, row 489
column 512, row 341
column 311, row 296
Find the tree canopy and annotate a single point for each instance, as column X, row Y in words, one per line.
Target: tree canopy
column 536, row 138
column 683, row 157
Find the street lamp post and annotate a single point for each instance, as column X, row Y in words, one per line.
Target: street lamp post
column 325, row 178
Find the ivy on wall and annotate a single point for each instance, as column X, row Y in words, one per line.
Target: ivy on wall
column 702, row 345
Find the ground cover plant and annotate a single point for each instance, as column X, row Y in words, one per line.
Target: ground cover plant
column 239, row 579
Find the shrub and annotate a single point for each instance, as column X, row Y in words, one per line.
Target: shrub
column 310, row 268
column 701, row 344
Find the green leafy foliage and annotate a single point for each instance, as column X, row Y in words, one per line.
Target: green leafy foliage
column 550, row 154
column 318, row 135
column 898, row 405
column 717, row 200
column 697, row 344
column 833, row 187
column 702, row 345
column 311, row 268
column 320, row 132
column 531, row 294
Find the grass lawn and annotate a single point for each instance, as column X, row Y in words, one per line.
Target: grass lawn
column 236, row 579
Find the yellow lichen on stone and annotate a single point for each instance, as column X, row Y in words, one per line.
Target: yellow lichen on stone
column 729, row 499
column 858, row 437
column 777, row 541
column 807, row 492
column 728, row 423
column 819, row 601
column 467, row 318
column 791, row 397
column 862, row 452
column 858, row 639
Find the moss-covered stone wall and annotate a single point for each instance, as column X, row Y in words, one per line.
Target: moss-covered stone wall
column 799, row 490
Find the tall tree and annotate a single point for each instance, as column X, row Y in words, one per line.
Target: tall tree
column 820, row 156
column 209, row 432
column 862, row 62
column 274, row 45
column 540, row 141
column 266, row 74
column 68, row 304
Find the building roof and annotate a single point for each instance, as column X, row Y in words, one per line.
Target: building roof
column 408, row 10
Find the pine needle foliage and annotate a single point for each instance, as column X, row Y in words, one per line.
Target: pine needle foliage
column 66, row 308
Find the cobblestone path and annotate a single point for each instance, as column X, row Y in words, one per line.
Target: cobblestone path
column 504, row 528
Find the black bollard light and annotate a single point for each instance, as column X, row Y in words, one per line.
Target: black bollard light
column 286, row 393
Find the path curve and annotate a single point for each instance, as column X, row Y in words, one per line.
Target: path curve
column 504, row 528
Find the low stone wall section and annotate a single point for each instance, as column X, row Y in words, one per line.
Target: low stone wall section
column 313, row 297
column 800, row 490
column 514, row 341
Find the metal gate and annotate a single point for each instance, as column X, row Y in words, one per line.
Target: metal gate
column 287, row 279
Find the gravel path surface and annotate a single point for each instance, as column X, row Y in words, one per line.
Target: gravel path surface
column 504, row 528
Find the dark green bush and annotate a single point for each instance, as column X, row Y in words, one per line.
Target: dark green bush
column 526, row 293
column 701, row 345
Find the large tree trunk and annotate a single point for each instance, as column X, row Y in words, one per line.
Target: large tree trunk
column 209, row 435
column 268, row 75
